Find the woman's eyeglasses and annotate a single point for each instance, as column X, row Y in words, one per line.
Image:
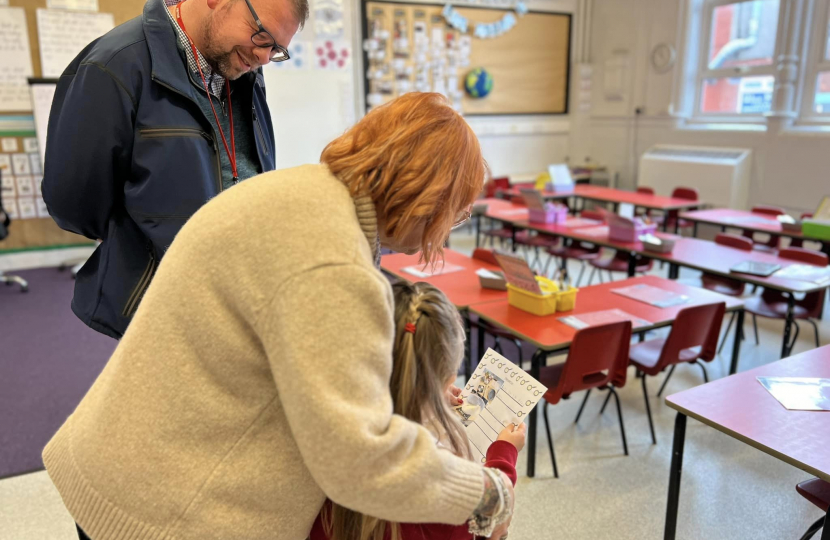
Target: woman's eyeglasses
column 463, row 217
column 265, row 40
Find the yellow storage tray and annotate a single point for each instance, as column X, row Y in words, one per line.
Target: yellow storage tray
column 533, row 303
column 566, row 300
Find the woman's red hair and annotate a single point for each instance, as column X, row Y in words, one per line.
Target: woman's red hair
column 418, row 160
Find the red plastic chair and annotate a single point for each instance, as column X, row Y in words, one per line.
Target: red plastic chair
column 645, row 191
column 725, row 285
column 774, row 241
column 693, row 337
column 799, row 242
column 577, row 249
column 492, row 188
column 618, row 263
column 598, row 358
column 671, row 218
column 772, row 304
column 817, row 491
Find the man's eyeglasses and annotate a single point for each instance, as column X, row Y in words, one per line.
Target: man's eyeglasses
column 265, row 40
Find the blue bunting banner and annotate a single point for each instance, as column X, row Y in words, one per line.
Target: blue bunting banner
column 483, row 30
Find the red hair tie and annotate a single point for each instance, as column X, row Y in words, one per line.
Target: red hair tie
column 410, row 327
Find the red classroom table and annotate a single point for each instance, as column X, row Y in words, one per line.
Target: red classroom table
column 548, row 334
column 743, row 409
column 745, row 220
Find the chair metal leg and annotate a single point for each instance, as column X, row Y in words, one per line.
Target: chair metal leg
column 814, row 528
column 815, row 328
column 519, row 348
column 725, row 334
column 666, row 380
column 648, row 411
column 581, row 407
column 9, row 280
column 795, row 337
column 581, row 271
column 550, row 442
column 613, row 392
column 604, row 404
column 591, row 275
column 755, row 326
column 599, row 276
column 703, row 367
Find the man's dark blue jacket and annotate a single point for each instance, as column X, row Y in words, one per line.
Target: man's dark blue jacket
column 131, row 156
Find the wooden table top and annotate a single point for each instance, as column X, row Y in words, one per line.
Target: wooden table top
column 461, row 287
column 740, row 407
column 550, row 334
column 740, row 219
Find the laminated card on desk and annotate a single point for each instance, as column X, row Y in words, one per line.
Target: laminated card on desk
column 755, row 268
column 654, row 296
column 517, row 273
column 498, row 393
column 560, row 178
column 425, row 272
column 596, row 318
column 805, row 272
column 799, row 393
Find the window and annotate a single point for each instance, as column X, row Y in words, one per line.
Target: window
column 817, row 79
column 736, row 72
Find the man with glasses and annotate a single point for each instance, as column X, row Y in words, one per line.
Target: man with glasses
column 151, row 121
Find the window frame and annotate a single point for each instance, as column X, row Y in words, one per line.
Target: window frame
column 703, row 72
column 817, row 60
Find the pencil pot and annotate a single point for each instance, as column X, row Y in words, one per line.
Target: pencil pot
column 536, row 304
column 566, row 300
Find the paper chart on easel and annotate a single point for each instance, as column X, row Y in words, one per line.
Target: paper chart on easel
column 498, row 393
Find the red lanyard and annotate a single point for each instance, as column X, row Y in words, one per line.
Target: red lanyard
column 232, row 150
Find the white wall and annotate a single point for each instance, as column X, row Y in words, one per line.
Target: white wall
column 311, row 107
column 790, row 166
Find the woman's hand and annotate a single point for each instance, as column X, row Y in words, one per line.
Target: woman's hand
column 515, row 435
column 454, row 396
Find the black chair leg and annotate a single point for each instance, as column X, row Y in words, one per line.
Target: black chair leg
column 725, row 334
column 755, row 327
column 703, row 367
column 519, row 348
column 599, row 276
column 648, row 411
column 666, row 380
column 550, row 442
column 815, row 327
column 619, row 415
column 604, row 404
column 814, row 528
column 581, row 407
column 591, row 275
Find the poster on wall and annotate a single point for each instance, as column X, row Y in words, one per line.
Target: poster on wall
column 328, row 19
column 332, row 54
column 15, row 61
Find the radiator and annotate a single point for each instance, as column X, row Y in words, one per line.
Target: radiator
column 721, row 175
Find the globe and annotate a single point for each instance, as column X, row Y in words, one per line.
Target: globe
column 478, row 83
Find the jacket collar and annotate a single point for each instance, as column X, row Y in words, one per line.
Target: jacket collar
column 166, row 64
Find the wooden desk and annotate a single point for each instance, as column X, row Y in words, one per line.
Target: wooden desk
column 548, row 334
column 741, row 408
column 744, row 220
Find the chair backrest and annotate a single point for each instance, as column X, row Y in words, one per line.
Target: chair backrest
column 495, row 185
column 598, row 356
column 685, row 193
column 808, row 256
column 485, row 255
column 518, row 200
column 645, row 190
column 768, row 210
column 806, row 215
column 733, row 240
column 592, row 214
column 696, row 326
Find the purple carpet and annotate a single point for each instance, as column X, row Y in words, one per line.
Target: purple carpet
column 48, row 360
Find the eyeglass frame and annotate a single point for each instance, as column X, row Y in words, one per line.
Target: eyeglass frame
column 463, row 217
column 262, row 30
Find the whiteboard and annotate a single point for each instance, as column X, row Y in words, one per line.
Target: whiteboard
column 15, row 60
column 63, row 34
column 42, row 93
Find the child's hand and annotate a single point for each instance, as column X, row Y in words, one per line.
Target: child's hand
column 454, row 396
column 515, row 435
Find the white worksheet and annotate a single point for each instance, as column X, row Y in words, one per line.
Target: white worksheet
column 499, row 393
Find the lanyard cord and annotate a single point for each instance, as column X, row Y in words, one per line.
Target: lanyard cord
column 232, row 150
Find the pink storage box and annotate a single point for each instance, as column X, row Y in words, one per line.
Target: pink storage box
column 629, row 231
column 551, row 214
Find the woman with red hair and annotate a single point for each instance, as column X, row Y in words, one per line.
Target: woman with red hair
column 253, row 381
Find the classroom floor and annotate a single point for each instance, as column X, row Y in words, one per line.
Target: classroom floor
column 729, row 490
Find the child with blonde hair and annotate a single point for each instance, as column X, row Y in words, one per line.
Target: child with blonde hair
column 428, row 349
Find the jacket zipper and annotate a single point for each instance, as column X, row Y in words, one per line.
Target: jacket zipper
column 213, row 139
column 261, row 133
column 152, row 133
column 143, row 283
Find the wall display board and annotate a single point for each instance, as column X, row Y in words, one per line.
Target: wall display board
column 411, row 47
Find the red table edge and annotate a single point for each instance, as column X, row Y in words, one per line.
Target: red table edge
column 782, row 232
column 576, row 193
column 746, row 440
column 560, row 347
